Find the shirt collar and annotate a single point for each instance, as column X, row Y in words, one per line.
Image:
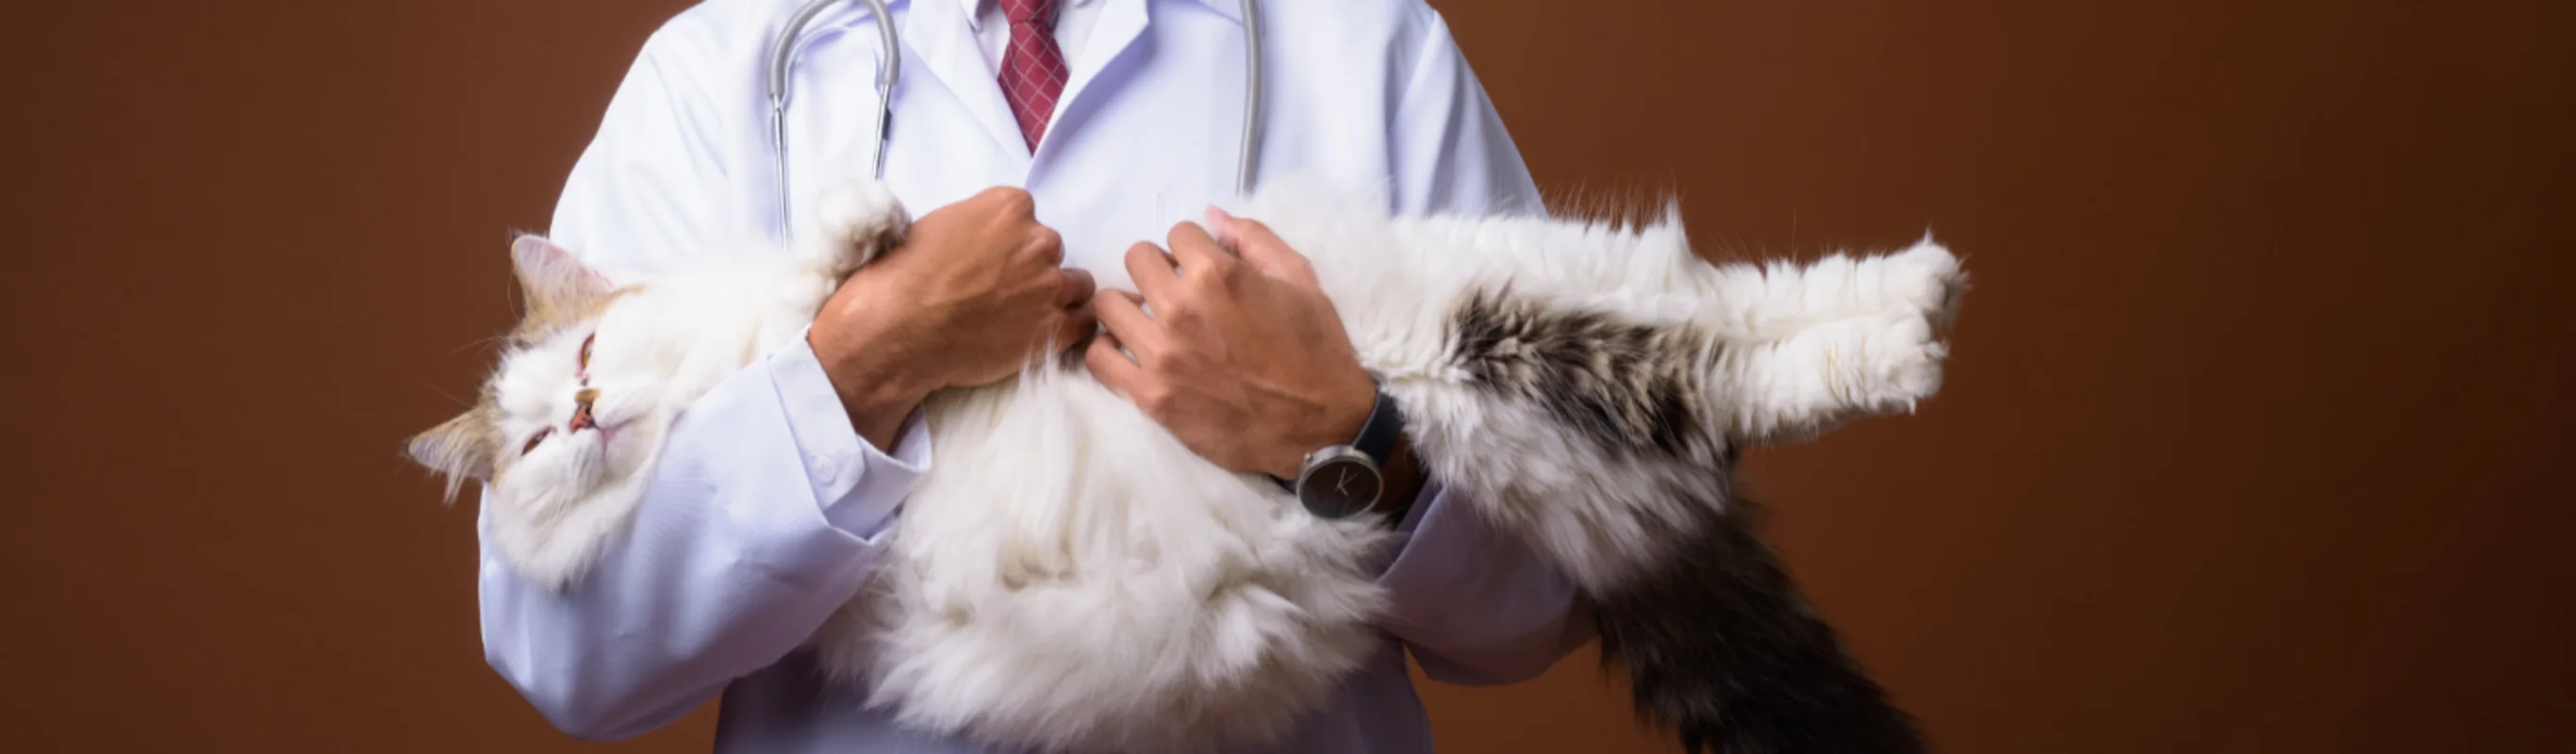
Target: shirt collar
column 975, row 9
column 1231, row 9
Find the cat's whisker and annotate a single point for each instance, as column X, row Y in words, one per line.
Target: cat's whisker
column 442, row 392
column 478, row 343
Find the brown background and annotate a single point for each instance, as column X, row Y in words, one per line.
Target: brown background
column 2252, row 443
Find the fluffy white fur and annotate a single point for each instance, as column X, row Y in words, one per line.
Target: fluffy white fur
column 1811, row 347
column 1073, row 578
column 557, row 494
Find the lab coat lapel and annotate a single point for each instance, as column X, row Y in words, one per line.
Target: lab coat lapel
column 1119, row 24
column 947, row 47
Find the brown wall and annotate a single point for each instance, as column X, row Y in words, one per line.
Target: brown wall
column 2248, row 444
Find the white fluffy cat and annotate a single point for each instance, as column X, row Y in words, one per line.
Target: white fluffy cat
column 1070, row 577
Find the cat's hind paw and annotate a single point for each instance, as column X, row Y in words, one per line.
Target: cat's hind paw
column 1925, row 280
column 1893, row 362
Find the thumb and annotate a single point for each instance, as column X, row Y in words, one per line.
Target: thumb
column 1260, row 248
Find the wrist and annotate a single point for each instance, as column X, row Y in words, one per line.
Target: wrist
column 1338, row 424
column 878, row 410
column 878, row 385
column 1375, row 457
column 1405, row 478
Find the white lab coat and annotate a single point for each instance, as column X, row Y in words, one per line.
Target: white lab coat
column 767, row 507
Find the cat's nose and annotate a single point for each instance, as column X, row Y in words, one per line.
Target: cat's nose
column 581, row 419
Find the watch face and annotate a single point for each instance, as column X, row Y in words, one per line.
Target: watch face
column 1339, row 488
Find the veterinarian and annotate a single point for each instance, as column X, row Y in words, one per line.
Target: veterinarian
column 1051, row 137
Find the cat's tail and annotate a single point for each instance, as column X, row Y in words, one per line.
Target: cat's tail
column 1719, row 647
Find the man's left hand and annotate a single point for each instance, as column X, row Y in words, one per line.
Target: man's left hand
column 1243, row 357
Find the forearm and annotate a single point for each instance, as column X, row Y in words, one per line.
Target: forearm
column 755, row 528
column 878, row 389
column 757, row 521
column 1474, row 604
column 1405, row 480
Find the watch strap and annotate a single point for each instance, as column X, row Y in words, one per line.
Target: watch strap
column 1378, row 437
column 1383, row 430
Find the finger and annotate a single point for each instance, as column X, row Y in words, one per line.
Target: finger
column 1223, row 225
column 1111, row 366
column 1078, row 289
column 1197, row 250
column 1008, row 201
column 1121, row 313
column 1152, row 271
column 1046, row 244
column 1073, row 330
column 1261, row 248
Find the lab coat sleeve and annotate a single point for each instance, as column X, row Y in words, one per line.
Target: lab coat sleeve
column 1473, row 603
column 764, row 508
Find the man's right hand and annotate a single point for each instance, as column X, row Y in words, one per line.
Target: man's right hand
column 975, row 293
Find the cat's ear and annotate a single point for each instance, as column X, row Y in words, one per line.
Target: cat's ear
column 459, row 449
column 552, row 278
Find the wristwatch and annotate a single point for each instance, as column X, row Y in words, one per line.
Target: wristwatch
column 1344, row 480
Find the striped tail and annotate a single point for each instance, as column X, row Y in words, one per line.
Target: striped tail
column 1720, row 647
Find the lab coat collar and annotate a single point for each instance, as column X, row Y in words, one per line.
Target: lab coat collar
column 1120, row 23
column 949, row 49
column 952, row 53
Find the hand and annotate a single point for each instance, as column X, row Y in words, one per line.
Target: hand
column 1244, row 358
column 975, row 293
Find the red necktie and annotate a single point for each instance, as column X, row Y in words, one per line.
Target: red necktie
column 1033, row 70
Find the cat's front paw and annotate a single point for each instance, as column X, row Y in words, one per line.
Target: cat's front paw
column 861, row 220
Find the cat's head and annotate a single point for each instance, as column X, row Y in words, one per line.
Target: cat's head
column 561, row 415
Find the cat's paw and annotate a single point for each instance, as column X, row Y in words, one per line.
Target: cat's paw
column 1924, row 280
column 861, row 221
column 1899, row 364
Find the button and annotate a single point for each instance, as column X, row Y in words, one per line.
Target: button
column 823, row 469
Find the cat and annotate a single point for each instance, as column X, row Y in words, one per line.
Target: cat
column 1068, row 576
column 565, row 431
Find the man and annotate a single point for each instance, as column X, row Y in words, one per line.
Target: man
column 1110, row 121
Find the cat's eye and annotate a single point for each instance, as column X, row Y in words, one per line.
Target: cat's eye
column 585, row 349
column 539, row 437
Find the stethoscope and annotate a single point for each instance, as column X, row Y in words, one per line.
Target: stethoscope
column 889, row 70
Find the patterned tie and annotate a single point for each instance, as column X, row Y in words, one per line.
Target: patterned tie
column 1033, row 70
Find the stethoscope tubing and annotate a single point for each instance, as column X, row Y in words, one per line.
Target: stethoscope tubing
column 782, row 56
